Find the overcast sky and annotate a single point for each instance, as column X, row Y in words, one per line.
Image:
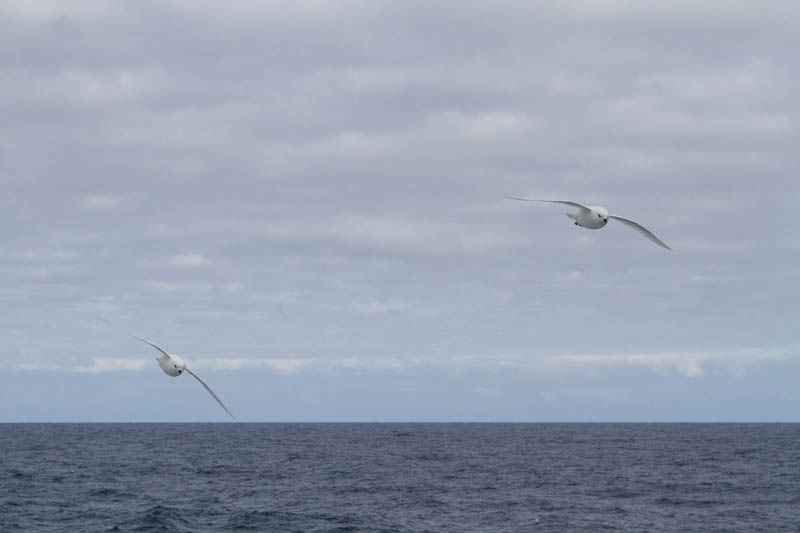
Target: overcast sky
column 305, row 200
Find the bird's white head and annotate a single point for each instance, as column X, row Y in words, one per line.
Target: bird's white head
column 599, row 214
column 178, row 363
column 173, row 365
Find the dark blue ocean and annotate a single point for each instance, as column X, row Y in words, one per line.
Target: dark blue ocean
column 399, row 477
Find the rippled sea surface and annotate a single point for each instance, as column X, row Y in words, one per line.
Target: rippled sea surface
column 399, row 477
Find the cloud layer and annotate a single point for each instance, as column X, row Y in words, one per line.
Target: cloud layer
column 322, row 185
column 690, row 364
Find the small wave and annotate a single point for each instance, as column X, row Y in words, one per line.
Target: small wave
column 255, row 521
column 19, row 474
column 157, row 518
column 106, row 492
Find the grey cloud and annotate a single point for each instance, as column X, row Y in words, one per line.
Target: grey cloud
column 319, row 182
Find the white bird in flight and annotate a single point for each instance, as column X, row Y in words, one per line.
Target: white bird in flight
column 596, row 217
column 174, row 366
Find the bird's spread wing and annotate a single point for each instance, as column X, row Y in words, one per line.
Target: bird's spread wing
column 641, row 229
column 573, row 204
column 211, row 392
column 148, row 342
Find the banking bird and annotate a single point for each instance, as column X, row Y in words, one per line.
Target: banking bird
column 596, row 217
column 174, row 366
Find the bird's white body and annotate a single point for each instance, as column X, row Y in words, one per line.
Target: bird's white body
column 596, row 217
column 593, row 217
